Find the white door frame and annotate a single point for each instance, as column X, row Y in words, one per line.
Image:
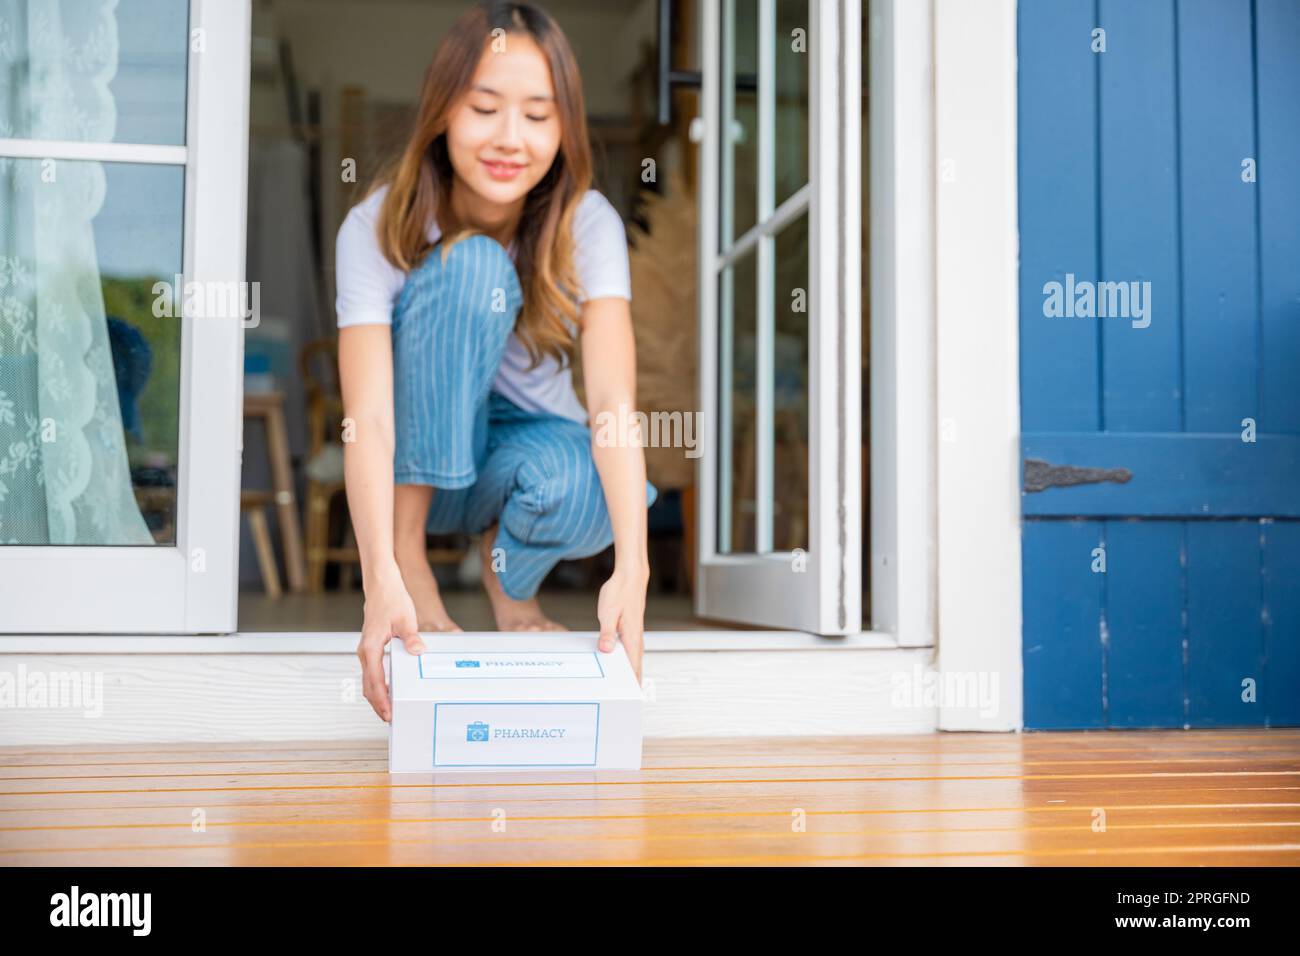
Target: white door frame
column 191, row 587
column 977, row 243
column 903, row 433
column 944, row 440
column 820, row 591
column 945, row 400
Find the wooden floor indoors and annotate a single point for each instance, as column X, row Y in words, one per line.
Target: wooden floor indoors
column 341, row 611
column 1165, row 798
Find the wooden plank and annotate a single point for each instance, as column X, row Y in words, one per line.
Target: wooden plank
column 1057, row 107
column 1172, row 475
column 1144, row 609
column 661, row 752
column 1063, row 663
column 370, row 855
column 1277, row 40
column 1217, row 130
column 1141, row 363
column 1012, row 799
column 863, row 762
column 1224, row 630
column 487, row 839
column 201, row 791
column 1189, row 804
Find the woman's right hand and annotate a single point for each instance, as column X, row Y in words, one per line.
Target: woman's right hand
column 389, row 612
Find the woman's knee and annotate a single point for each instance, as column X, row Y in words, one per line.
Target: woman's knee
column 470, row 285
column 477, row 277
column 573, row 506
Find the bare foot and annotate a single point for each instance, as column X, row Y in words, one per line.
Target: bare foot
column 430, row 613
column 511, row 615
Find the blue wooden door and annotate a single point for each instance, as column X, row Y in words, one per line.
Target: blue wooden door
column 1160, row 362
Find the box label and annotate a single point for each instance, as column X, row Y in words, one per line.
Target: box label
column 492, row 733
column 505, row 665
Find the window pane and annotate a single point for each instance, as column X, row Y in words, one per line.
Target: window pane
column 89, row 376
column 89, row 71
column 739, row 153
column 737, row 356
column 790, row 390
column 791, row 97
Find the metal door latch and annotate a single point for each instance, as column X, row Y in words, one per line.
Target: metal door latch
column 1041, row 475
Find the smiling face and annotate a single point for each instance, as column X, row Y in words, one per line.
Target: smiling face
column 505, row 133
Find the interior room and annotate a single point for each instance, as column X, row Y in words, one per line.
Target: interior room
column 334, row 85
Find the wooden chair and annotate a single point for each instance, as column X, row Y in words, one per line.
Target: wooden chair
column 318, row 365
column 269, row 408
column 253, row 503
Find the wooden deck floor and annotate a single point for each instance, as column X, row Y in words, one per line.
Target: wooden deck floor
column 1169, row 798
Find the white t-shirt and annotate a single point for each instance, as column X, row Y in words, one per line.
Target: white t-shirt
column 368, row 285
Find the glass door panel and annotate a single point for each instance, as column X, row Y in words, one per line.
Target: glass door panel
column 739, row 209
column 738, row 406
column 772, row 549
column 791, row 106
column 94, row 71
column 122, row 156
column 89, row 375
column 762, row 297
column 790, row 388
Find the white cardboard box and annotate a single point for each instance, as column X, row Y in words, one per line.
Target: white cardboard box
column 518, row 701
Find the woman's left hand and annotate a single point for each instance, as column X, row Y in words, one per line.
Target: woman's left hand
column 620, row 609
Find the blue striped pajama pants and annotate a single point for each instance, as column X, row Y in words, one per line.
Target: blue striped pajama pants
column 490, row 460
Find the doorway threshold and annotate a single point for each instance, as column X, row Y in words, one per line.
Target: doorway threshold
column 343, row 642
column 305, row 686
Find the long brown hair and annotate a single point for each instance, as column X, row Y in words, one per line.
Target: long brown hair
column 420, row 180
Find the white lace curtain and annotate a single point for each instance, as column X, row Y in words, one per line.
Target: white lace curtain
column 64, row 477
